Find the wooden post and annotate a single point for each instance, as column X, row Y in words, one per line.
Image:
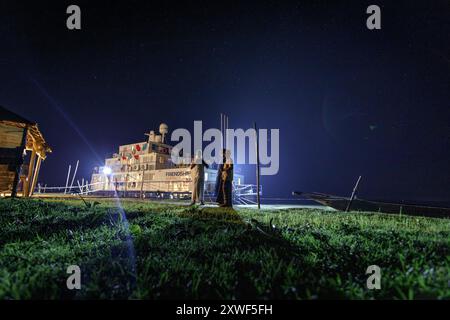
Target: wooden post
column 35, row 176
column 353, row 195
column 258, row 197
column 30, row 173
column 19, row 162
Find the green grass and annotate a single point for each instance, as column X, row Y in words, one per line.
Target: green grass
column 162, row 251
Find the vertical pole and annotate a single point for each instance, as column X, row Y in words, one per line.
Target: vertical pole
column 258, row 198
column 142, row 185
column 35, row 176
column 353, row 195
column 74, row 174
column 30, row 173
column 126, row 185
column 226, row 128
column 67, row 180
column 221, row 130
column 224, row 132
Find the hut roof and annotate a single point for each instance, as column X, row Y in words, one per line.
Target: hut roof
column 35, row 139
column 9, row 116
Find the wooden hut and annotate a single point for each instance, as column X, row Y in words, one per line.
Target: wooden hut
column 19, row 136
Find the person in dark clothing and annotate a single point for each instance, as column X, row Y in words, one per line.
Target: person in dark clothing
column 227, row 180
column 219, row 186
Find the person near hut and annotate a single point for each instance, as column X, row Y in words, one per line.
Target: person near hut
column 198, row 166
column 227, row 180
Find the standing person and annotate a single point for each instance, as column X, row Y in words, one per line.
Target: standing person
column 218, row 188
column 227, row 180
column 198, row 178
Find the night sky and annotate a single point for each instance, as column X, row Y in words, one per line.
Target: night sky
column 348, row 101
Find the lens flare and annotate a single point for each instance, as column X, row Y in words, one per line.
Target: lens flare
column 107, row 171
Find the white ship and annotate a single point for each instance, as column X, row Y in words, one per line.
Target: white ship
column 146, row 168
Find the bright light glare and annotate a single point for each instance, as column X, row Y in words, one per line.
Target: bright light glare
column 107, row 170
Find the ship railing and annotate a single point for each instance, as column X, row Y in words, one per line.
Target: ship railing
column 85, row 188
column 242, row 193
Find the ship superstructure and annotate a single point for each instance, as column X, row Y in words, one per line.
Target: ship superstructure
column 147, row 167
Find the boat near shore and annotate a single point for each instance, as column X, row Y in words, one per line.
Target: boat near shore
column 356, row 204
column 146, row 169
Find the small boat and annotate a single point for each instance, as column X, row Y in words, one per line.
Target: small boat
column 344, row 204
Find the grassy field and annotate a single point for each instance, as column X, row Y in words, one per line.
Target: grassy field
column 144, row 250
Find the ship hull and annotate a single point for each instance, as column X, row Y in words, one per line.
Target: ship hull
column 175, row 180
